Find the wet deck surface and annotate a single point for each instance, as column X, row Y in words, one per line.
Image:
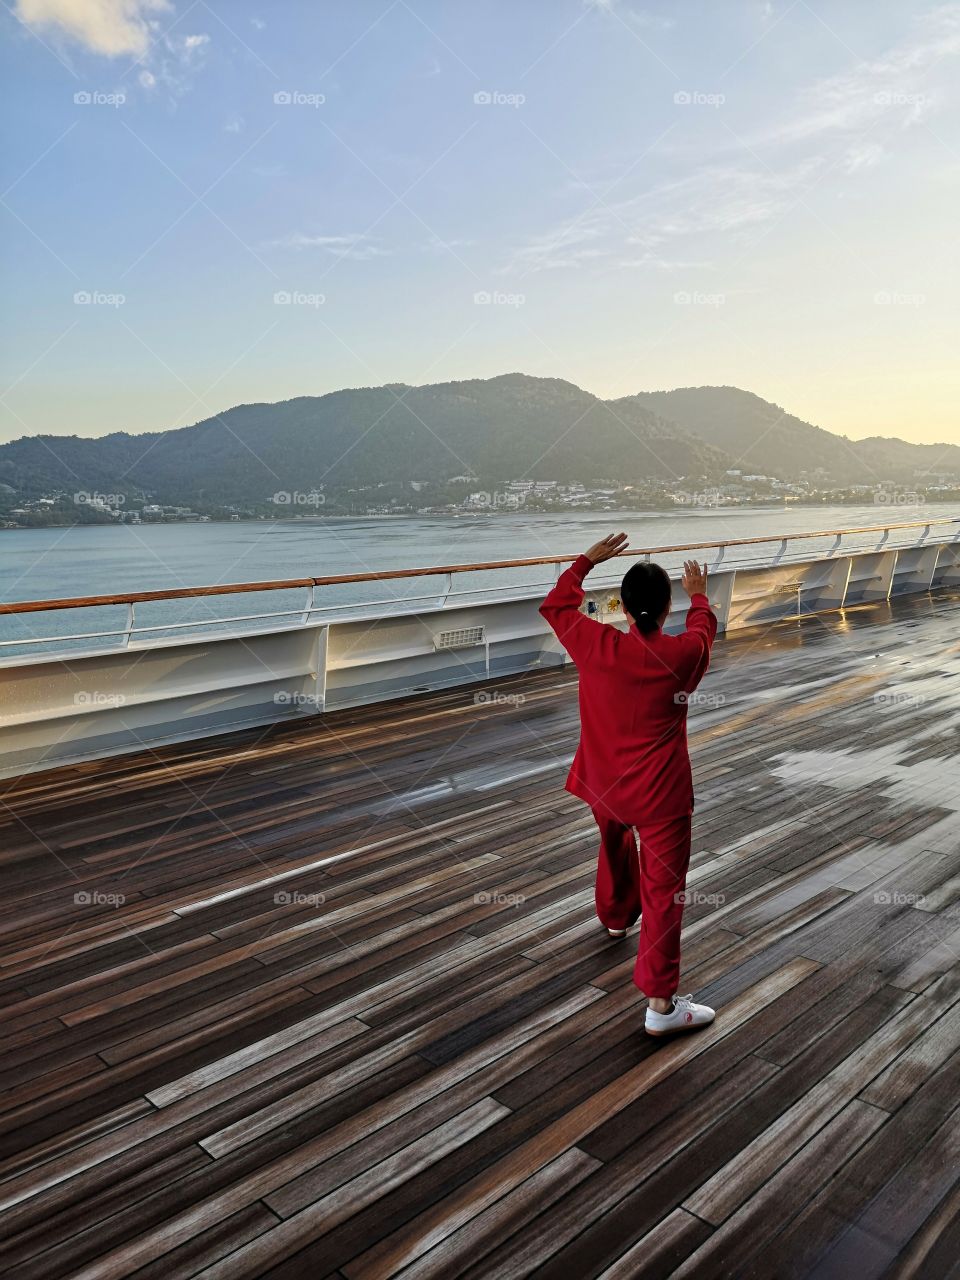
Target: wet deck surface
column 354, row 1017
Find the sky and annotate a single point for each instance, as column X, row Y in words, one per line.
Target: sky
column 210, row 203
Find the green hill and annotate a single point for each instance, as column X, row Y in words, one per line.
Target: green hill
column 762, row 437
column 497, row 429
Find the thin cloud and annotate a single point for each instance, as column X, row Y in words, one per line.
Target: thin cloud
column 638, row 17
column 748, row 181
column 720, row 198
column 172, row 61
column 902, row 86
column 351, row 245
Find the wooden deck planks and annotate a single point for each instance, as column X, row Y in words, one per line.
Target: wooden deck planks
column 330, row 1000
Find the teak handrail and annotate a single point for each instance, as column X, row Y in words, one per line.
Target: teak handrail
column 238, row 588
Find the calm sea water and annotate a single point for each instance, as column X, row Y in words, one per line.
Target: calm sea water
column 53, row 563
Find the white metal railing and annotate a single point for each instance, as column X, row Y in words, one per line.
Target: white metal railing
column 156, row 681
column 310, row 612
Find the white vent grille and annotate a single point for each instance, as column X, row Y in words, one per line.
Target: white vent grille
column 465, row 638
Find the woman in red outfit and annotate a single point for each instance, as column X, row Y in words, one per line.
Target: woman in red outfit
column 632, row 765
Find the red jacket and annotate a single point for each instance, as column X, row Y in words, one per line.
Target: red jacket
column 632, row 763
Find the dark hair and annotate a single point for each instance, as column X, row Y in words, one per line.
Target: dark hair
column 645, row 593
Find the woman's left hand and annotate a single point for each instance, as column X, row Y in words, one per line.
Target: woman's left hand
column 607, row 548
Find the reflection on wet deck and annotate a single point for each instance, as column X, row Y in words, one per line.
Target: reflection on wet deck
column 330, row 999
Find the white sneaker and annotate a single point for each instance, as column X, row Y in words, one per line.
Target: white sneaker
column 684, row 1016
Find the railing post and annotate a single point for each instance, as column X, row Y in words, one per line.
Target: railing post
column 783, row 546
column 308, row 605
column 447, row 588
column 131, row 608
column 320, row 670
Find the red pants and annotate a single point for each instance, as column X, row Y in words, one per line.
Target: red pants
column 654, row 880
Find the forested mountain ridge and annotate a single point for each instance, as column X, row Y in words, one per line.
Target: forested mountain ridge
column 494, row 429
